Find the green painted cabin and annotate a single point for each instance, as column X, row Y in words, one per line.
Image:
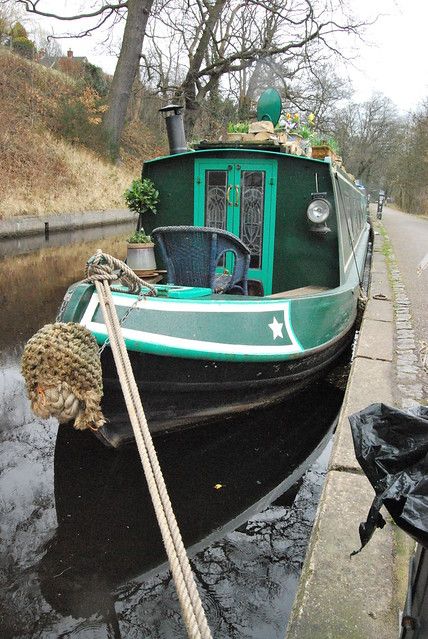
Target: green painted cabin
column 262, row 197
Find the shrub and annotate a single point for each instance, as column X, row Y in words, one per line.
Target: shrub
column 238, row 127
column 142, row 196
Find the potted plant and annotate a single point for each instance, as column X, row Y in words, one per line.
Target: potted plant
column 323, row 147
column 236, row 131
column 141, row 197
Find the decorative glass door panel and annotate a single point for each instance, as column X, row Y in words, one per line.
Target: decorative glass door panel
column 240, row 197
column 216, row 191
column 252, row 205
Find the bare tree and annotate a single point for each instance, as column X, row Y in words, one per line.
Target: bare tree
column 211, row 39
column 45, row 44
column 239, row 37
column 408, row 169
column 368, row 135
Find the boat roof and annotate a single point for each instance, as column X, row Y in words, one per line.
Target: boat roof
column 265, row 150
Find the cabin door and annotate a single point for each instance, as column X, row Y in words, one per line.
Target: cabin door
column 240, row 197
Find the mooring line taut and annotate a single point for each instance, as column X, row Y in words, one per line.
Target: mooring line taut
column 191, row 605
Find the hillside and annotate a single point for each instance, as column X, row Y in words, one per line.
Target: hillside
column 51, row 150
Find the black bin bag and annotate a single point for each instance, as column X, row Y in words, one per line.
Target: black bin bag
column 391, row 446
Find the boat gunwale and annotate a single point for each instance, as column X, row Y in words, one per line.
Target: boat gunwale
column 279, row 353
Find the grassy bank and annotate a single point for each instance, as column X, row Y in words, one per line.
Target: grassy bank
column 51, row 150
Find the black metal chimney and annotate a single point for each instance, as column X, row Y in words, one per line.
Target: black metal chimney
column 174, row 128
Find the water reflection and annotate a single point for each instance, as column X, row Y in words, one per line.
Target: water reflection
column 29, row 244
column 32, row 286
column 81, row 552
column 83, row 547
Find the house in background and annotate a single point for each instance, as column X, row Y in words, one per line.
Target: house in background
column 70, row 64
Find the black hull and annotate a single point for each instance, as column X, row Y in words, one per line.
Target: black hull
column 180, row 393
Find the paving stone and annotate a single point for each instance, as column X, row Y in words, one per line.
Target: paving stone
column 380, row 285
column 370, row 382
column 406, row 357
column 379, row 310
column 407, row 368
column 378, row 339
column 342, row 597
column 405, row 333
column 403, row 324
column 378, row 263
column 404, row 344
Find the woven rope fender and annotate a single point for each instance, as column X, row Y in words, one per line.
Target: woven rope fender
column 62, row 371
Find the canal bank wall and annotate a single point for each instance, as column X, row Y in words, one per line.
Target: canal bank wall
column 32, row 225
column 339, row 596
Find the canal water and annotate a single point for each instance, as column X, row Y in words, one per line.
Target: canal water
column 81, row 555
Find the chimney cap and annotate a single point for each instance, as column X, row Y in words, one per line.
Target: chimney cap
column 171, row 107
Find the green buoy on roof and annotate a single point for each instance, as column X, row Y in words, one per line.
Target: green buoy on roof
column 269, row 106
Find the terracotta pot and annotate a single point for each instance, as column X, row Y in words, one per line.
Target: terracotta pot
column 322, row 151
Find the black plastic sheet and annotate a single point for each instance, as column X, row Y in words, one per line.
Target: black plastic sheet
column 391, row 446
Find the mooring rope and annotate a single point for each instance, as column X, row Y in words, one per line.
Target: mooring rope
column 99, row 271
column 101, row 267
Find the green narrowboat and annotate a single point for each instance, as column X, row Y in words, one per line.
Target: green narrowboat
column 264, row 253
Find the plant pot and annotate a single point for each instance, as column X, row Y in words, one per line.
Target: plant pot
column 141, row 257
column 322, row 151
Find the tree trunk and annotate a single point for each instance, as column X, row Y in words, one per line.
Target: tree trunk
column 126, row 70
column 191, row 105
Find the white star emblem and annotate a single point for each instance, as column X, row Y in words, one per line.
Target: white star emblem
column 276, row 328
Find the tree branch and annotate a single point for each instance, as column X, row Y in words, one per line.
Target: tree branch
column 31, row 6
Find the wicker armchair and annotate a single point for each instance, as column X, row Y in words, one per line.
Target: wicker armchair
column 191, row 255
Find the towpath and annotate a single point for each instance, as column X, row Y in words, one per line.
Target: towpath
column 409, row 238
column 362, row 597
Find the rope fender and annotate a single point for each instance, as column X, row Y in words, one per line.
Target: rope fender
column 62, row 371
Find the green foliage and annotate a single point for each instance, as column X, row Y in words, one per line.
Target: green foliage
column 320, row 139
column 142, row 196
column 139, row 237
column 238, row 127
column 95, row 77
column 305, row 131
column 73, row 118
column 18, row 31
column 20, row 41
column 80, row 117
column 23, row 47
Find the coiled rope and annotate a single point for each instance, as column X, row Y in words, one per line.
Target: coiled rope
column 99, row 271
column 100, row 267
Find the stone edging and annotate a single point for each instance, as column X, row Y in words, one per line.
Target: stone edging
column 24, row 226
column 337, row 596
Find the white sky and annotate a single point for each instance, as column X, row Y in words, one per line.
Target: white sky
column 392, row 59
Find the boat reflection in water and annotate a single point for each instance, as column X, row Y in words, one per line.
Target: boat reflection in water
column 217, row 478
